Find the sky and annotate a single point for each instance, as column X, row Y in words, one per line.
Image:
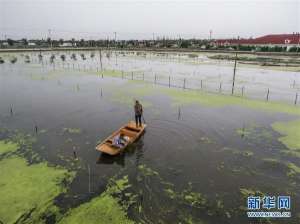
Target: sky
column 147, row 19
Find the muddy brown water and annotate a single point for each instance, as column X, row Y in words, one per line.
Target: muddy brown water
column 200, row 147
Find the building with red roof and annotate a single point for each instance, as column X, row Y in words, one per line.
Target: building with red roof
column 282, row 40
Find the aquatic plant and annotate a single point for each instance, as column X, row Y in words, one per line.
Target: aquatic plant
column 294, row 170
column 73, row 56
column 83, row 56
column 27, row 191
column 52, row 57
column 291, row 134
column 103, row 209
column 7, row 146
column 106, row 208
column 27, row 59
column 2, row 61
column 146, row 171
column 250, row 192
column 63, row 57
column 40, row 57
column 72, row 130
column 13, row 60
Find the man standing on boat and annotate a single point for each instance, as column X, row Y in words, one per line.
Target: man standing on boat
column 138, row 110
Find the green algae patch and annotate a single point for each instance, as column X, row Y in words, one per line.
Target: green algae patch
column 27, row 191
column 106, row 208
column 6, row 147
column 101, row 210
column 127, row 94
column 255, row 132
column 182, row 97
column 111, row 73
column 291, row 133
column 249, row 192
column 293, row 170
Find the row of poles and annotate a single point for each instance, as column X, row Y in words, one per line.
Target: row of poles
column 184, row 80
column 169, row 78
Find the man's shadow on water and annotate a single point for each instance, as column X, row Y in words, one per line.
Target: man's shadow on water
column 134, row 149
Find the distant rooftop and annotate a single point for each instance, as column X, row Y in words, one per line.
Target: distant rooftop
column 279, row 39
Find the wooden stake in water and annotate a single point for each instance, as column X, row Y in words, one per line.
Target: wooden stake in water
column 184, row 83
column 169, row 81
column 296, row 98
column 155, row 79
column 268, row 94
column 102, row 75
column 243, row 131
column 100, row 58
column 179, row 113
column 243, row 91
column 11, row 111
column 294, row 84
column 234, row 70
column 101, row 93
column 201, row 84
column 89, row 170
column 36, row 129
column 220, row 87
column 74, row 153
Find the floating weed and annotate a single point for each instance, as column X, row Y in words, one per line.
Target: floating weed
column 100, row 210
column 118, row 186
column 234, row 151
column 106, row 208
column 294, row 170
column 206, row 140
column 171, row 193
column 291, row 134
column 194, row 199
column 189, row 219
column 255, row 132
column 7, row 146
column 181, row 97
column 292, row 153
column 43, row 184
column 250, row 192
column 27, row 191
column 43, row 131
column 73, row 164
column 129, row 93
column 146, row 171
column 71, row 130
column 110, row 73
column 68, row 140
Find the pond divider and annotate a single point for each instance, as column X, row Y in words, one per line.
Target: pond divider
column 220, row 89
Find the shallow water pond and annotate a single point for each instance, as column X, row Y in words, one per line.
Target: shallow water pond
column 200, row 157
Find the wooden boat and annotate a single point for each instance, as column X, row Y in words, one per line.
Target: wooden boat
column 131, row 132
